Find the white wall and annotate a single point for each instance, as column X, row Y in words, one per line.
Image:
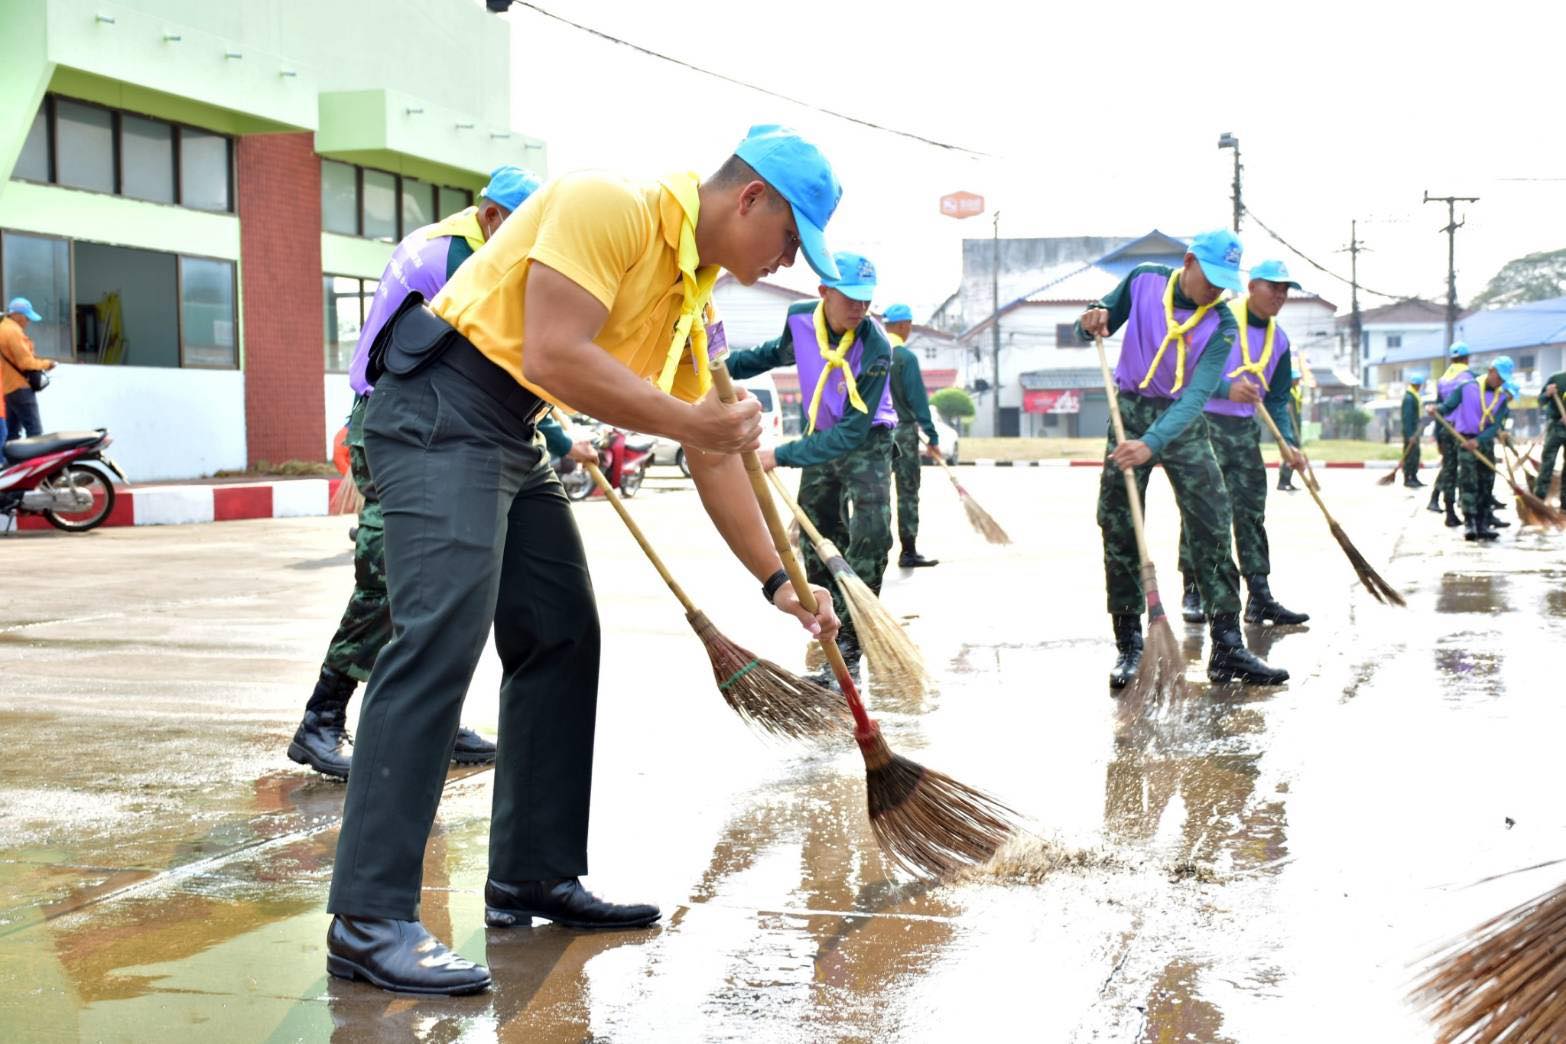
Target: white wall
column 167, row 423
column 339, row 400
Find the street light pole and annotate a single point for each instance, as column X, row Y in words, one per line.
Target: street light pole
column 995, row 336
column 1229, row 141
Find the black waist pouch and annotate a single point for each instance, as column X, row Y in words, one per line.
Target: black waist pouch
column 413, row 338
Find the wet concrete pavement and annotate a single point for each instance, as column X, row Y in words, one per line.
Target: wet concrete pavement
column 1260, row 865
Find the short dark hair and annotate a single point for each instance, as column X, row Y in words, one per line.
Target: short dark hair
column 736, row 172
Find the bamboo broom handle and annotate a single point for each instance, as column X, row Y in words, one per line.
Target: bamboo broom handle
column 641, row 538
column 1559, row 408
column 1310, row 479
column 1132, row 496
column 1462, row 440
column 724, row 385
column 799, row 513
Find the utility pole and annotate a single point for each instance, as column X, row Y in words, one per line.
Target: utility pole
column 1229, row 141
column 1356, row 325
column 995, row 385
column 1452, row 225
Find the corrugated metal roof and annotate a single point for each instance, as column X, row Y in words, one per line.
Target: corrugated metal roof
column 1531, row 325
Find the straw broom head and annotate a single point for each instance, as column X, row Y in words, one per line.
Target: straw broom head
column 982, row 520
column 1379, row 589
column 1387, row 479
column 1505, row 980
column 766, row 695
column 925, row 821
column 895, row 661
column 1161, row 674
column 1544, row 514
column 347, row 500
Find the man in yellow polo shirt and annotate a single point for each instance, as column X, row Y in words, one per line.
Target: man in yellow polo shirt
column 596, row 293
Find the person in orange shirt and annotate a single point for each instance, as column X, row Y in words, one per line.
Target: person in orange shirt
column 595, row 293
column 18, row 362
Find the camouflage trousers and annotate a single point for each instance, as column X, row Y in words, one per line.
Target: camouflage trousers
column 1554, row 442
column 849, row 499
column 1475, row 482
column 1451, row 456
column 1203, row 499
column 1237, row 446
column 1411, row 462
column 366, row 624
column 905, row 469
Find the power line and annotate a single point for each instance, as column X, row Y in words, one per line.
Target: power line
column 750, row 86
column 1323, row 268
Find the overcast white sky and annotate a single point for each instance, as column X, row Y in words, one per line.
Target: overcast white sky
column 1098, row 119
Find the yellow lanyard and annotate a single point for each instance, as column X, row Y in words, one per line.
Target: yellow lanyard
column 1259, row 367
column 695, row 283
column 1484, row 407
column 897, row 342
column 463, row 223
column 1175, row 333
column 1453, row 371
column 835, row 359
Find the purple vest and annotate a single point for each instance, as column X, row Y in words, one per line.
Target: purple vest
column 1144, row 331
column 1469, row 418
column 1444, row 388
column 834, row 399
column 1256, row 337
column 418, row 263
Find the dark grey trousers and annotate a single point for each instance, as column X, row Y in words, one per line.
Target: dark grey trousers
column 478, row 531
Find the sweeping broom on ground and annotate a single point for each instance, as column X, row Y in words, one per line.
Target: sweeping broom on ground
column 1546, row 515
column 923, row 820
column 1525, row 515
column 758, row 690
column 1408, row 446
column 979, row 518
column 1161, row 674
column 1379, row 589
column 894, row 659
column 1505, row 981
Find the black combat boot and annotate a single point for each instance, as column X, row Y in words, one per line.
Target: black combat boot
column 1262, row 607
column 1474, row 529
column 1231, row 661
column 1412, row 482
column 848, row 646
column 1489, row 521
column 1435, row 499
column 1191, row 603
column 1452, row 520
column 1496, row 505
column 912, row 559
column 1128, row 646
column 322, row 740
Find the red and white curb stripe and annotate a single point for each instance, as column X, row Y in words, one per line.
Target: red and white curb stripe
column 183, row 505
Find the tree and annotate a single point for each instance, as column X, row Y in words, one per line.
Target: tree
column 1531, row 278
column 953, row 404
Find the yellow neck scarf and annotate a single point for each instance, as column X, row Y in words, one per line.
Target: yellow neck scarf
column 835, row 359
column 1453, row 371
column 1487, row 408
column 463, row 223
column 897, row 342
column 1259, row 366
column 1176, row 332
column 696, row 282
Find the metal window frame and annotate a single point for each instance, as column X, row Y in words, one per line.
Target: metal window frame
column 70, row 281
column 179, row 304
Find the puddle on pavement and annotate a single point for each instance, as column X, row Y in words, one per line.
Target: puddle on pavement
column 1472, row 593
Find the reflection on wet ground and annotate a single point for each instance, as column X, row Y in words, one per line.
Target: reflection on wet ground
column 1240, row 865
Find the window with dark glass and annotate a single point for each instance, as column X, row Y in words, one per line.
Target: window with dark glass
column 339, row 197
column 203, row 170
column 206, row 312
column 39, row 269
column 418, row 204
column 348, row 302
column 453, row 200
column 33, row 163
column 146, row 159
column 84, row 146
column 379, row 195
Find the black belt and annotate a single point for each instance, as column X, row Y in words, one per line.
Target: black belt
column 494, row 381
column 1121, row 393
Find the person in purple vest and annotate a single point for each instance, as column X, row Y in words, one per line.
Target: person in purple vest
column 844, row 360
column 1478, row 409
column 1260, row 354
column 1177, row 339
column 421, row 264
column 1444, row 491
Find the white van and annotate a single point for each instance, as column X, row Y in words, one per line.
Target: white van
column 761, row 387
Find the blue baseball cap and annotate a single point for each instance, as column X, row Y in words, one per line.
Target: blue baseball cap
column 1417, row 377
column 510, row 185
column 897, row 313
column 801, row 175
column 1273, row 272
column 1504, row 366
column 1218, row 252
column 1459, row 350
column 22, row 306
column 856, row 276
column 1513, row 390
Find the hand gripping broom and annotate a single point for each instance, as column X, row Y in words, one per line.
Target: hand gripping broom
column 925, row 821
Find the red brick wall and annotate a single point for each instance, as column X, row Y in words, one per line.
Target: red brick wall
column 279, row 195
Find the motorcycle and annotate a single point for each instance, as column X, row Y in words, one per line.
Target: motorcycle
column 63, row 476
column 622, row 456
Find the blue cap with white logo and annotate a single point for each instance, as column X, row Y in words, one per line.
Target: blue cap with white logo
column 22, row 306
column 856, row 279
column 510, row 186
column 1459, row 350
column 897, row 313
column 1504, row 366
column 1273, row 272
column 1218, row 252
column 801, row 175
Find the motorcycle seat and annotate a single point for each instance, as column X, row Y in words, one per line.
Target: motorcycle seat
column 54, row 442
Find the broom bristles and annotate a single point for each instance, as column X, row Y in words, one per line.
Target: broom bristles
column 925, row 821
column 1379, row 589
column 982, row 520
column 346, row 499
column 1543, row 513
column 1387, row 479
column 1160, row 676
column 767, row 696
column 895, row 661
column 1504, row 980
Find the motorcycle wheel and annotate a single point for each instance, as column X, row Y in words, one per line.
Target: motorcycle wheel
column 630, row 482
column 679, row 458
column 578, row 484
column 96, row 483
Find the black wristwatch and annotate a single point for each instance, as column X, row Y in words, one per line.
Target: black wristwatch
column 769, row 589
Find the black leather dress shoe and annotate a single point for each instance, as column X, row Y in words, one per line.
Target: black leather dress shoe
column 563, row 901
column 399, row 956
